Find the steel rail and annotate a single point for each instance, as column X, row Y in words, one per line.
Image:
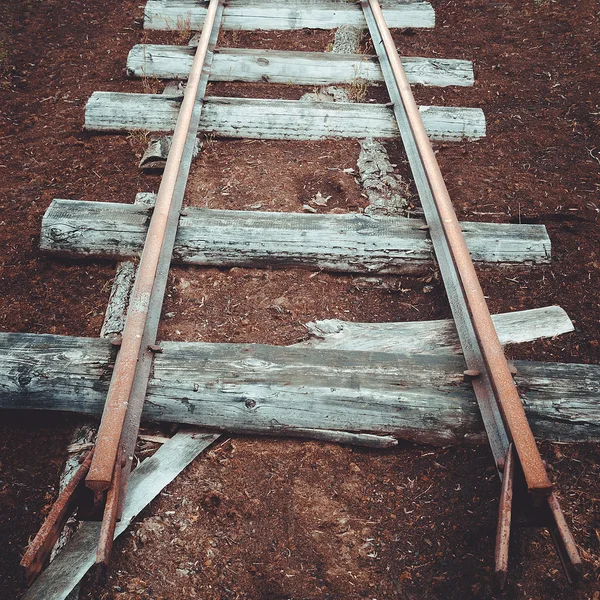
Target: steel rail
column 494, row 360
column 497, row 397
column 504, row 520
column 113, row 418
column 143, row 371
column 40, row 548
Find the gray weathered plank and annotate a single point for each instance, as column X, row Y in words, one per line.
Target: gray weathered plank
column 289, row 67
column 345, row 243
column 244, row 387
column 434, row 337
column 178, row 15
column 275, row 119
column 145, row 483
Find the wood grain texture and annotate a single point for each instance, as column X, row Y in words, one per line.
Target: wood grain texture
column 434, row 337
column 345, row 243
column 114, row 318
column 297, row 14
column 245, row 387
column 289, row 67
column 145, row 483
column 276, row 119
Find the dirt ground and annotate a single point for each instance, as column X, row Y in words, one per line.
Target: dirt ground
column 255, row 518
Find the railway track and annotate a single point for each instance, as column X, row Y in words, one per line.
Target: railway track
column 392, row 245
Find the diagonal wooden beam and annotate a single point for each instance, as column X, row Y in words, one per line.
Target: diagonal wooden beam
column 145, row 483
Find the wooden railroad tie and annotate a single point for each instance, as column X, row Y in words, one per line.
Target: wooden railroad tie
column 345, row 243
column 267, row 119
column 417, row 393
column 291, row 67
column 299, row 14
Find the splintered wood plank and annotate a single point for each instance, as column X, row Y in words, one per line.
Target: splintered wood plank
column 275, row 119
column 268, row 389
column 174, row 15
column 344, row 243
column 289, row 67
column 434, row 337
column 145, row 483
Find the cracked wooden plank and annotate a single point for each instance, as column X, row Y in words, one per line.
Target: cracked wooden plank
column 268, row 119
column 178, row 15
column 275, row 390
column 433, row 337
column 345, row 243
column 291, row 67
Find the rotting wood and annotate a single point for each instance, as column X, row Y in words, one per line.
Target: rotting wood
column 330, row 436
column 145, row 483
column 275, row 390
column 113, row 325
column 292, row 67
column 346, row 242
column 156, row 154
column 258, row 118
column 114, row 319
column 174, row 15
column 434, row 337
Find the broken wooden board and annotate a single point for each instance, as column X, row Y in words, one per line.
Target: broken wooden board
column 290, row 67
column 183, row 15
column 145, row 483
column 268, row 119
column 333, row 242
column 274, row 390
column 434, row 337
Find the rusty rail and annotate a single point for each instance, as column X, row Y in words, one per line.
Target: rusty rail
column 501, row 379
column 115, row 445
column 487, row 368
column 38, row 551
column 117, row 401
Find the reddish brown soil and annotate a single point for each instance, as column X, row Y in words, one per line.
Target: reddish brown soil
column 306, row 40
column 272, row 519
column 276, row 176
column 284, row 519
column 272, row 306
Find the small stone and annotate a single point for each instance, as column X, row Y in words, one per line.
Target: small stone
column 150, row 529
column 319, row 199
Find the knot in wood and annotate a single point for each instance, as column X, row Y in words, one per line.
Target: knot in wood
column 249, row 403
